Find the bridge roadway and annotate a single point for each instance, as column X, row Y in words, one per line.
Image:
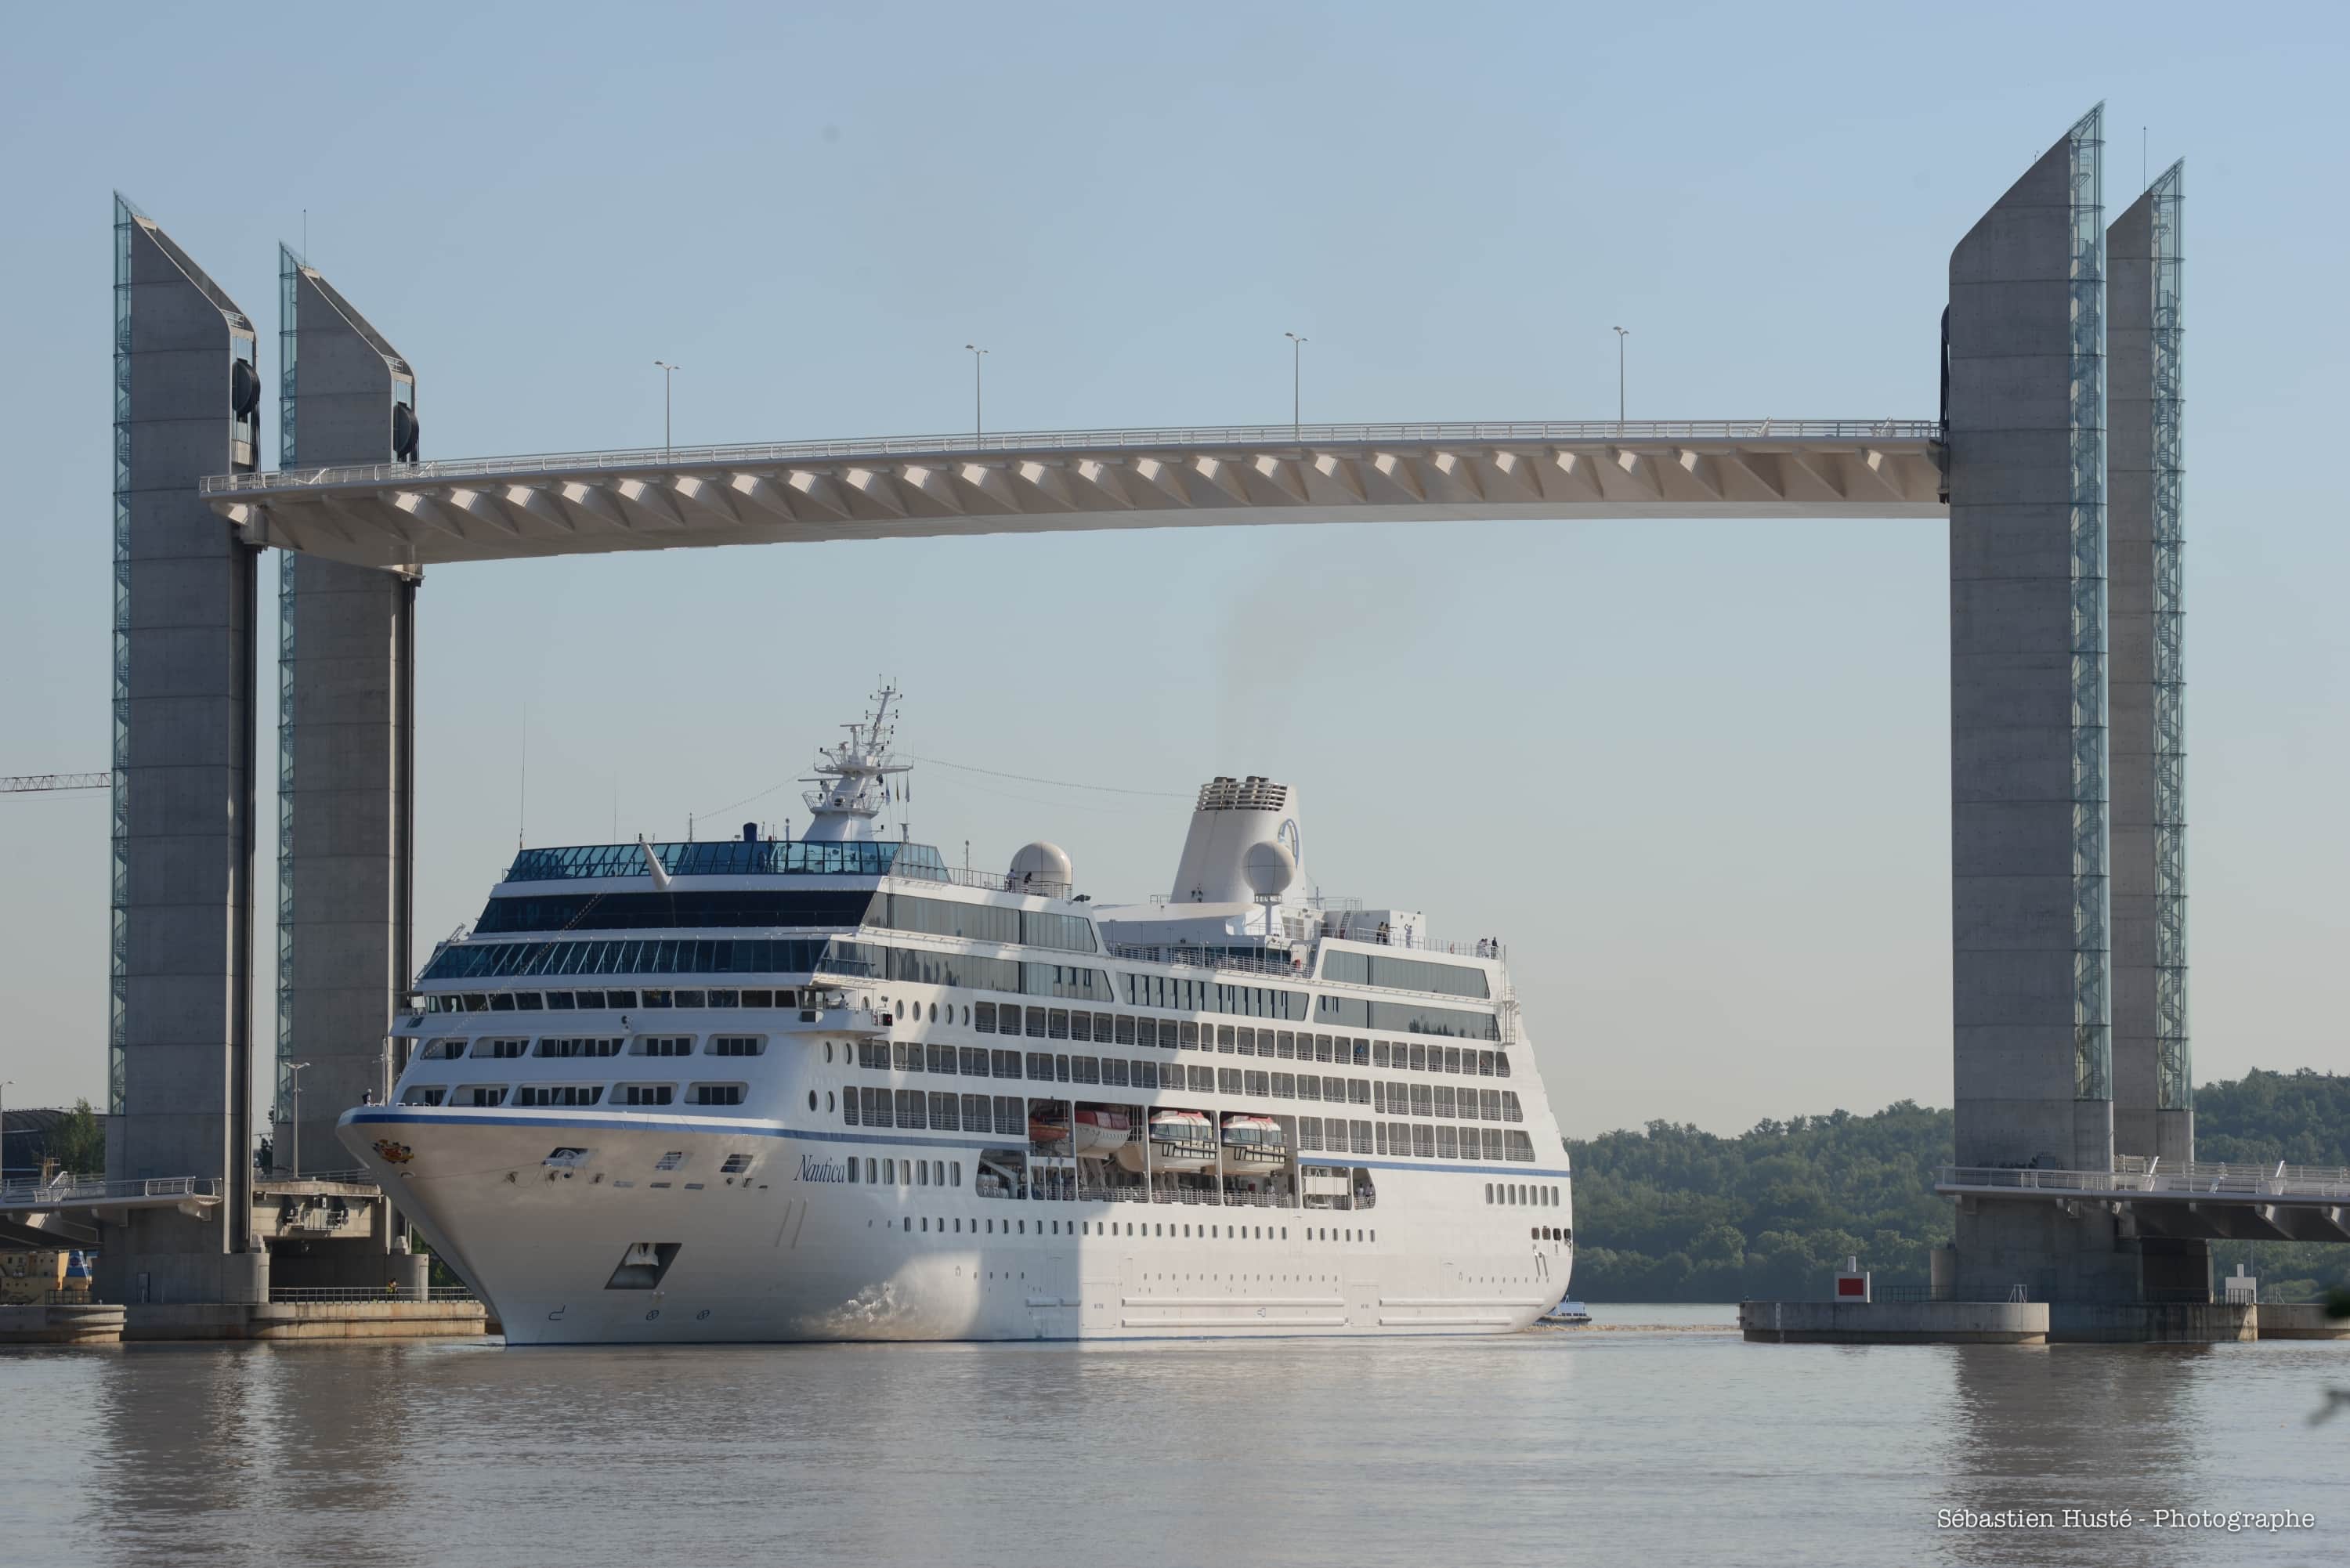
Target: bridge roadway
column 2204, row 1200
column 411, row 515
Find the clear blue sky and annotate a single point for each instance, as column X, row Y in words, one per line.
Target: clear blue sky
column 1706, row 764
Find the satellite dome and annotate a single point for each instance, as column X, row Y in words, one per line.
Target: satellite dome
column 1042, row 867
column 1269, row 868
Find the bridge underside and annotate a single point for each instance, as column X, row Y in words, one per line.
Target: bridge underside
column 406, row 516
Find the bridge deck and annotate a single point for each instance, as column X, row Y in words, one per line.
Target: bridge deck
column 2211, row 1202
column 409, row 515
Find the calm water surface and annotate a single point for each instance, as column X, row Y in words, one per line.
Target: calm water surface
column 1546, row 1447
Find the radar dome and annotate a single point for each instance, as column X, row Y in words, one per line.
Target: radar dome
column 1269, row 868
column 1041, row 868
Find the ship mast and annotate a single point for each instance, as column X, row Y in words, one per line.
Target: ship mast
column 852, row 777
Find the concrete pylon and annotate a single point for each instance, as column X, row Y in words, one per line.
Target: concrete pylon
column 347, row 664
column 2154, row 1094
column 2029, row 855
column 187, row 395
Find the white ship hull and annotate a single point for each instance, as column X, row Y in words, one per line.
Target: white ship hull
column 788, row 1250
column 834, row 1089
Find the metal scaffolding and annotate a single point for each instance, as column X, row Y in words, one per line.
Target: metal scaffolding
column 2174, row 1079
column 2093, row 1075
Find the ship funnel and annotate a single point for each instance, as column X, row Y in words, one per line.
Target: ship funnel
column 1244, row 844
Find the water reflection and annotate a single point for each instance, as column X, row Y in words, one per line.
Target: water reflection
column 2089, row 1427
column 1546, row 1448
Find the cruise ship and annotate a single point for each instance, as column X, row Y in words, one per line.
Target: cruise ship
column 831, row 1088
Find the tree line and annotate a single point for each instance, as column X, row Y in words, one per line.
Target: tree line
column 1674, row 1213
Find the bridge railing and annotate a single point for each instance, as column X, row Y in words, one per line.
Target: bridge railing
column 35, row 1194
column 1137, row 439
column 2196, row 1180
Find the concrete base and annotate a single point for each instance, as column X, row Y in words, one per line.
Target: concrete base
column 2185, row 1323
column 98, row 1324
column 2300, row 1321
column 305, row 1320
column 1894, row 1323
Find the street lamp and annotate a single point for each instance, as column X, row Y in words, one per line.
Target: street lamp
column 1621, row 333
column 293, row 1078
column 668, row 374
column 1296, row 371
column 978, row 425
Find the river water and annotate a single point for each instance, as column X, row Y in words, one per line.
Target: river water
column 1607, row 1446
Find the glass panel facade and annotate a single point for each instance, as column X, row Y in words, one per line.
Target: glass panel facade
column 1348, row 968
column 2091, row 949
column 731, row 857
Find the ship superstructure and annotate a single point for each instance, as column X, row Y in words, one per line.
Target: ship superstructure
column 830, row 1088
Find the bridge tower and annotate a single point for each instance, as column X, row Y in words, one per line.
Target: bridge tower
column 346, row 769
column 187, row 397
column 2066, row 849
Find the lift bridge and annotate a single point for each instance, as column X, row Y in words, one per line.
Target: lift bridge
column 2054, row 460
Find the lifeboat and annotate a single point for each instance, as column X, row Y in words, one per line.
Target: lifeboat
column 1100, row 1131
column 1181, row 1140
column 1048, row 1128
column 1254, row 1140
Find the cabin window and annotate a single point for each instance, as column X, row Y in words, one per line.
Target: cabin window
column 737, row 1045
column 876, row 1107
column 424, row 1094
column 643, row 1094
column 664, row 1045
column 558, row 1094
column 718, row 1094
column 946, row 1112
column 1035, row 1024
column 1124, row 1033
column 911, row 1104
column 982, row 1017
column 500, row 1050
column 569, row 1047
column 1113, row 1069
column 1144, row 1074
column 973, row 1061
column 734, row 1164
column 1085, row 1069
column 1006, row 1062
column 941, row 1058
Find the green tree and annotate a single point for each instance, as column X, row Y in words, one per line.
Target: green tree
column 78, row 1143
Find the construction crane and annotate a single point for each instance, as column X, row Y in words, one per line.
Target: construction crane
column 26, row 783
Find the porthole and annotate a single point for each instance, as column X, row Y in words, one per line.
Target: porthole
column 934, row 1012
column 828, row 1099
column 811, row 1099
column 827, row 1052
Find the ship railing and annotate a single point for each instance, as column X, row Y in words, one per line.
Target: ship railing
column 1181, row 956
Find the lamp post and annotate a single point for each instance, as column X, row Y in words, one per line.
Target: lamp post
column 1296, row 374
column 978, row 424
column 293, row 1078
column 668, row 374
column 1621, row 333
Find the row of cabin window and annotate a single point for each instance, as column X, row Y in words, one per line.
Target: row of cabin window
column 1412, row 1140
column 570, row 1046
column 1191, row 1034
column 883, row 1171
column 600, row 1001
column 572, row 1095
column 1521, row 1194
column 1041, row 1067
column 1164, row 1230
